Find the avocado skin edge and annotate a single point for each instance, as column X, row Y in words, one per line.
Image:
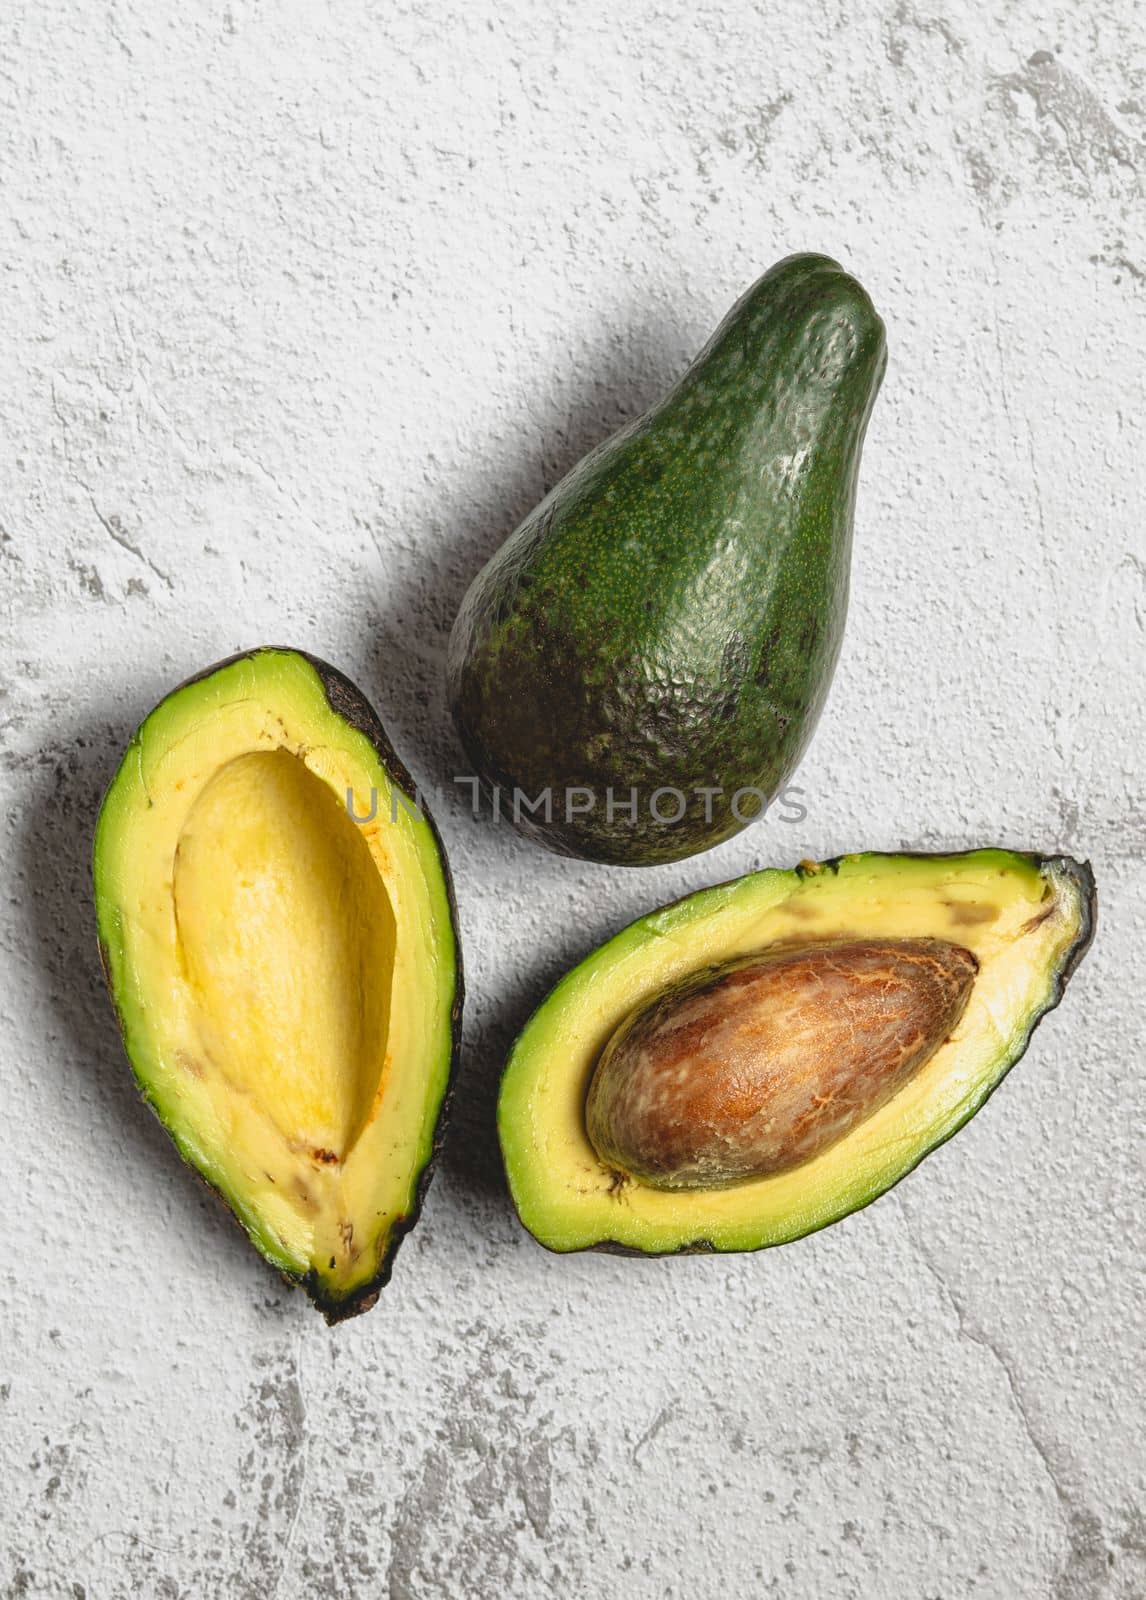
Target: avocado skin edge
column 352, row 706
column 1083, row 875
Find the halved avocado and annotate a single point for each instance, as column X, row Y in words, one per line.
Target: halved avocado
column 1009, row 927
column 286, row 974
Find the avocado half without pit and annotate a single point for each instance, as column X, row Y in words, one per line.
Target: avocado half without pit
column 277, row 927
column 762, row 1058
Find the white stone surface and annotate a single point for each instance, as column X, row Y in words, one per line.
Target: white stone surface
column 304, row 305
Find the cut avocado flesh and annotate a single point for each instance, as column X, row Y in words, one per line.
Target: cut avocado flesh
column 285, row 975
column 1023, row 920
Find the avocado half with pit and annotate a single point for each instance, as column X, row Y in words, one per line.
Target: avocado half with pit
column 278, row 933
column 762, row 1058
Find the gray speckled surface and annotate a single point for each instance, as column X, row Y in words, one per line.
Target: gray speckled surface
column 303, row 307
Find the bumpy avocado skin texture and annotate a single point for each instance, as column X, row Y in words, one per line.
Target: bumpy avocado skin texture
column 671, row 615
column 355, row 711
column 1028, row 918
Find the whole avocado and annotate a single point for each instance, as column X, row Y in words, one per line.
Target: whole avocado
column 641, row 665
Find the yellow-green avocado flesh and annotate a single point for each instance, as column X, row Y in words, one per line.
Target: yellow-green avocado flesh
column 286, row 976
column 1027, row 919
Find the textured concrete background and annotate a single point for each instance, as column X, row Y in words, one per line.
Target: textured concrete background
column 304, row 305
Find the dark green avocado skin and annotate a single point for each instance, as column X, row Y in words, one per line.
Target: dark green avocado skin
column 670, row 616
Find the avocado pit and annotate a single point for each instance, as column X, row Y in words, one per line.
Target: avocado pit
column 755, row 1066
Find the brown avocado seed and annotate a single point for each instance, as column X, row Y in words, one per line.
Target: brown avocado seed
column 754, row 1066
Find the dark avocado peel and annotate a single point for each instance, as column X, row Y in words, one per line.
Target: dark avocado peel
column 287, row 978
column 667, row 621
column 648, row 1108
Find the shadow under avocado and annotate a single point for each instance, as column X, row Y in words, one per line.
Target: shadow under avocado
column 470, row 1152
